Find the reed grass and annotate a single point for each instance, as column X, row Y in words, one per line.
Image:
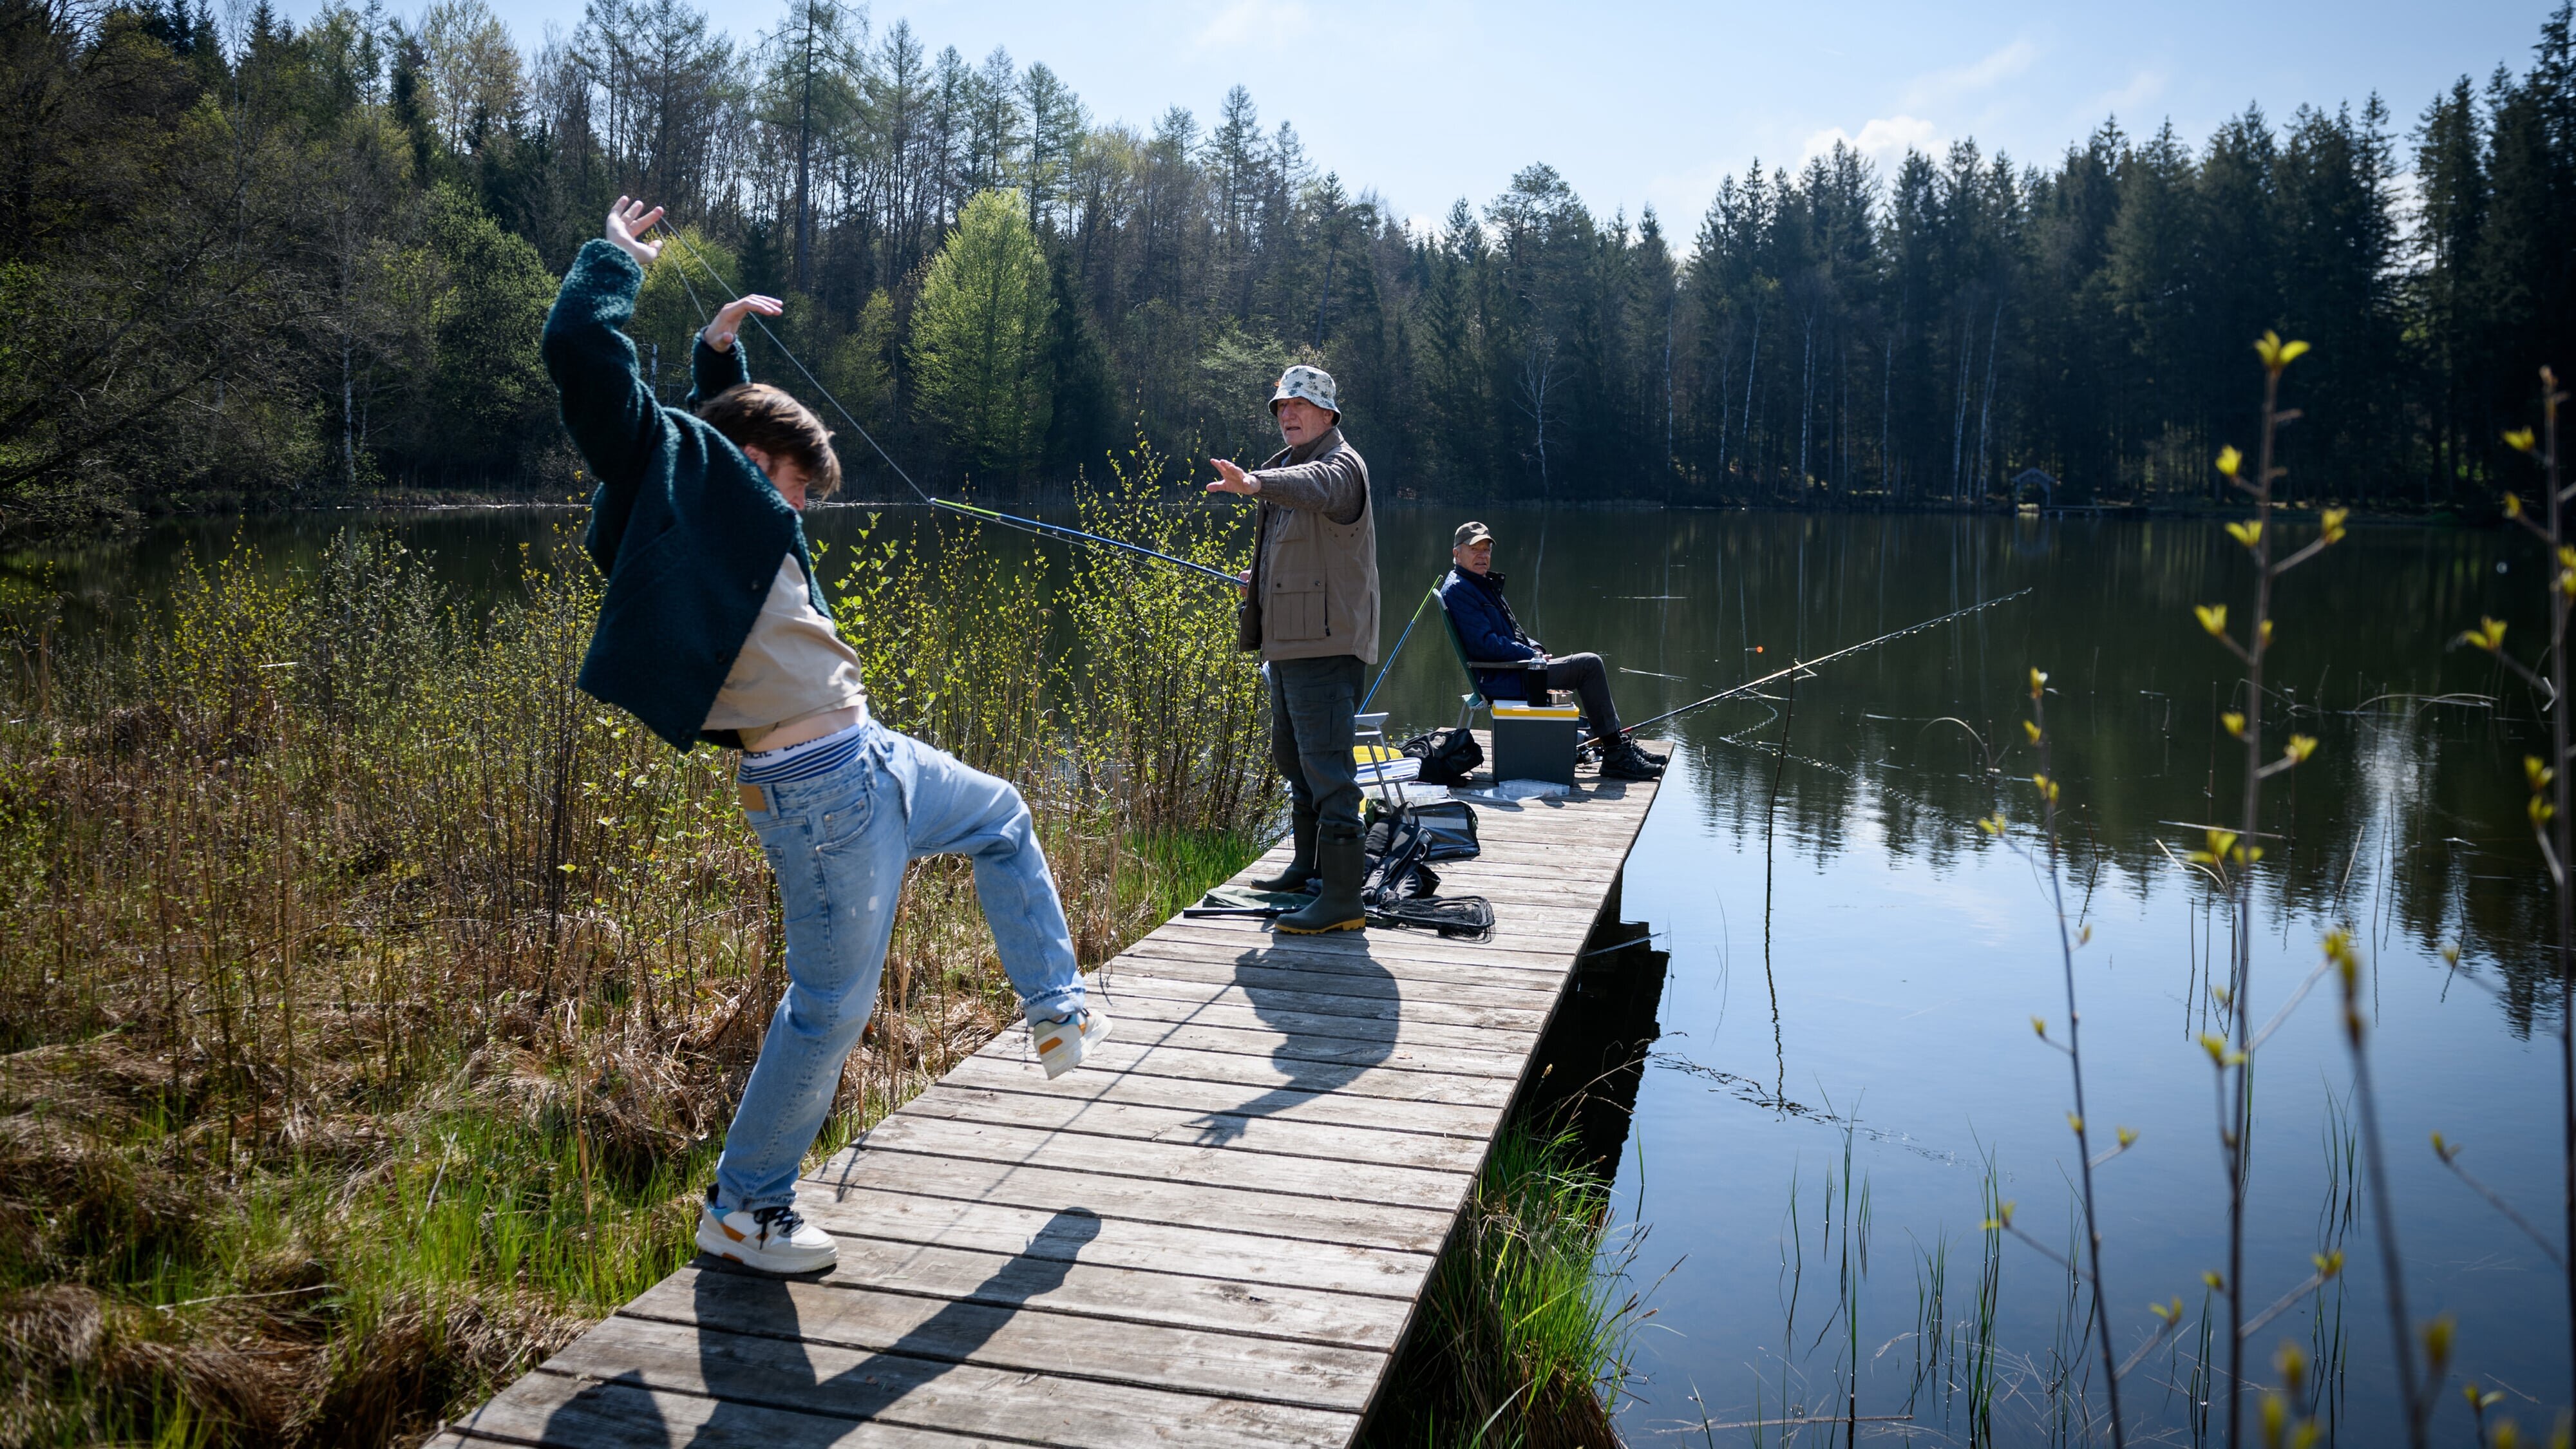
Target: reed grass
column 1522, row 1340
column 374, row 1002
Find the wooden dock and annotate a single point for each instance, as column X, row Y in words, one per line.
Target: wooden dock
column 1213, row 1234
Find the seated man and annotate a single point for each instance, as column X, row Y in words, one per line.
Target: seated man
column 1473, row 595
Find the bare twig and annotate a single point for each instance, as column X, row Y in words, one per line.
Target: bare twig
column 243, row 1297
column 2450, row 1152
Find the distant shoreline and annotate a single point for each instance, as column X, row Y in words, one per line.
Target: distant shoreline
column 412, row 501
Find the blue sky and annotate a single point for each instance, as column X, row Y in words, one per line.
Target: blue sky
column 1428, row 100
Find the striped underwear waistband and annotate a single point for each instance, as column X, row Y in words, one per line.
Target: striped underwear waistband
column 803, row 761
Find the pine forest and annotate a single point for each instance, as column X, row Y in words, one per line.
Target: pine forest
column 271, row 263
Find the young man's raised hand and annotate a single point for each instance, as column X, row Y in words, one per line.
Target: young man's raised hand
column 627, row 222
column 728, row 320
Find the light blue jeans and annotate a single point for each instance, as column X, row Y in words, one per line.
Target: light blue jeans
column 838, row 843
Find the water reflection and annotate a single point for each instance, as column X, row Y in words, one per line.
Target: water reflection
column 1830, row 841
column 1592, row 1060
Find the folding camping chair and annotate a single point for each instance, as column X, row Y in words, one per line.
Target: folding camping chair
column 1474, row 699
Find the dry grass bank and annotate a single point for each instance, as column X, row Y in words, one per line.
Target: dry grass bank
column 371, row 1002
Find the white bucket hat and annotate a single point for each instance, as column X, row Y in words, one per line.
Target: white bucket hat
column 1313, row 384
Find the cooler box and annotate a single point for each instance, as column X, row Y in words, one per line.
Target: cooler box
column 1534, row 741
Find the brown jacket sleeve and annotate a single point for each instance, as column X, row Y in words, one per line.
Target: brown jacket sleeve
column 1331, row 484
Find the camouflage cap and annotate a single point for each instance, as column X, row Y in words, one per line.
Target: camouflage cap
column 1313, row 384
column 1470, row 533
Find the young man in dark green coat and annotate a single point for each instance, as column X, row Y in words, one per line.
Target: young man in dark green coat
column 713, row 628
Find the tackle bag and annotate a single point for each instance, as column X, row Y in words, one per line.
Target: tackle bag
column 1448, row 756
column 1401, row 891
column 1398, row 890
column 1448, row 829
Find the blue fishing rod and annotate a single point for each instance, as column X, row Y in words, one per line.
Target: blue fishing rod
column 1037, row 526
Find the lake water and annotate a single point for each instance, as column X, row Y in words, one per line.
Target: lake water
column 1853, row 966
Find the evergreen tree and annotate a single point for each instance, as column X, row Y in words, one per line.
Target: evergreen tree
column 981, row 336
column 1836, row 333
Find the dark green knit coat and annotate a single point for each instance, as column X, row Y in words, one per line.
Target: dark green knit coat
column 689, row 533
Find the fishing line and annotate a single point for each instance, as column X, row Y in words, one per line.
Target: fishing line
column 1753, row 684
column 1036, row 526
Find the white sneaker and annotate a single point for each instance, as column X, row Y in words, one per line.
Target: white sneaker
column 773, row 1239
column 1063, row 1041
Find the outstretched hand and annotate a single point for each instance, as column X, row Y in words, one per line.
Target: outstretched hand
column 728, row 320
column 627, row 223
column 1231, row 479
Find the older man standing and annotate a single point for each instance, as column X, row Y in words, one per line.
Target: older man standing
column 1313, row 615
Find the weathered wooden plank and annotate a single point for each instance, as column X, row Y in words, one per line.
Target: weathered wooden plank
column 1522, row 931
column 1240, row 1132
column 760, row 1371
column 1205, row 1160
column 1572, row 825
column 1217, row 988
column 1393, row 957
column 1558, row 868
column 891, row 1212
column 1560, row 877
column 1581, row 902
column 1408, row 980
column 1562, row 817
column 1058, row 1273
column 559, row 1412
column 1001, row 1335
column 1562, row 919
column 1242, row 934
column 1394, row 1080
column 1285, row 1014
column 1329, row 1051
column 1340, row 1109
column 1575, row 862
column 1183, row 1204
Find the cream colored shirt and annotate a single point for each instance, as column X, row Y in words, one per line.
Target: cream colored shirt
column 792, row 665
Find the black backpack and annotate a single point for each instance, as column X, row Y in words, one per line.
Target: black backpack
column 1448, row 756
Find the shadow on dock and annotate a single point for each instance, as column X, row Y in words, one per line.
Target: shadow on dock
column 1317, row 1053
column 756, row 1355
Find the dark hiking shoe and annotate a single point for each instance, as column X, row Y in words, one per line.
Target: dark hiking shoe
column 1626, row 762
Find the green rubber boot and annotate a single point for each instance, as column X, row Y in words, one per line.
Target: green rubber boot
column 1301, row 864
column 1338, row 908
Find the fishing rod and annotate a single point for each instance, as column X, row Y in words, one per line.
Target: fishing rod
column 1058, row 530
column 1399, row 648
column 1777, row 674
column 1037, row 526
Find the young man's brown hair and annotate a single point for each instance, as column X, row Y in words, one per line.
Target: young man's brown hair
column 757, row 415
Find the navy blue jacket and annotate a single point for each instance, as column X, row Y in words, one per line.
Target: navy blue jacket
column 1485, row 625
column 689, row 533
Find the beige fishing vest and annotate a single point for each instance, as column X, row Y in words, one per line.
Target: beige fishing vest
column 1319, row 578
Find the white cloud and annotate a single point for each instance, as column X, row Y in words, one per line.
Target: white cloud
column 1979, row 75
column 2143, row 87
column 1247, row 22
column 1882, row 139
